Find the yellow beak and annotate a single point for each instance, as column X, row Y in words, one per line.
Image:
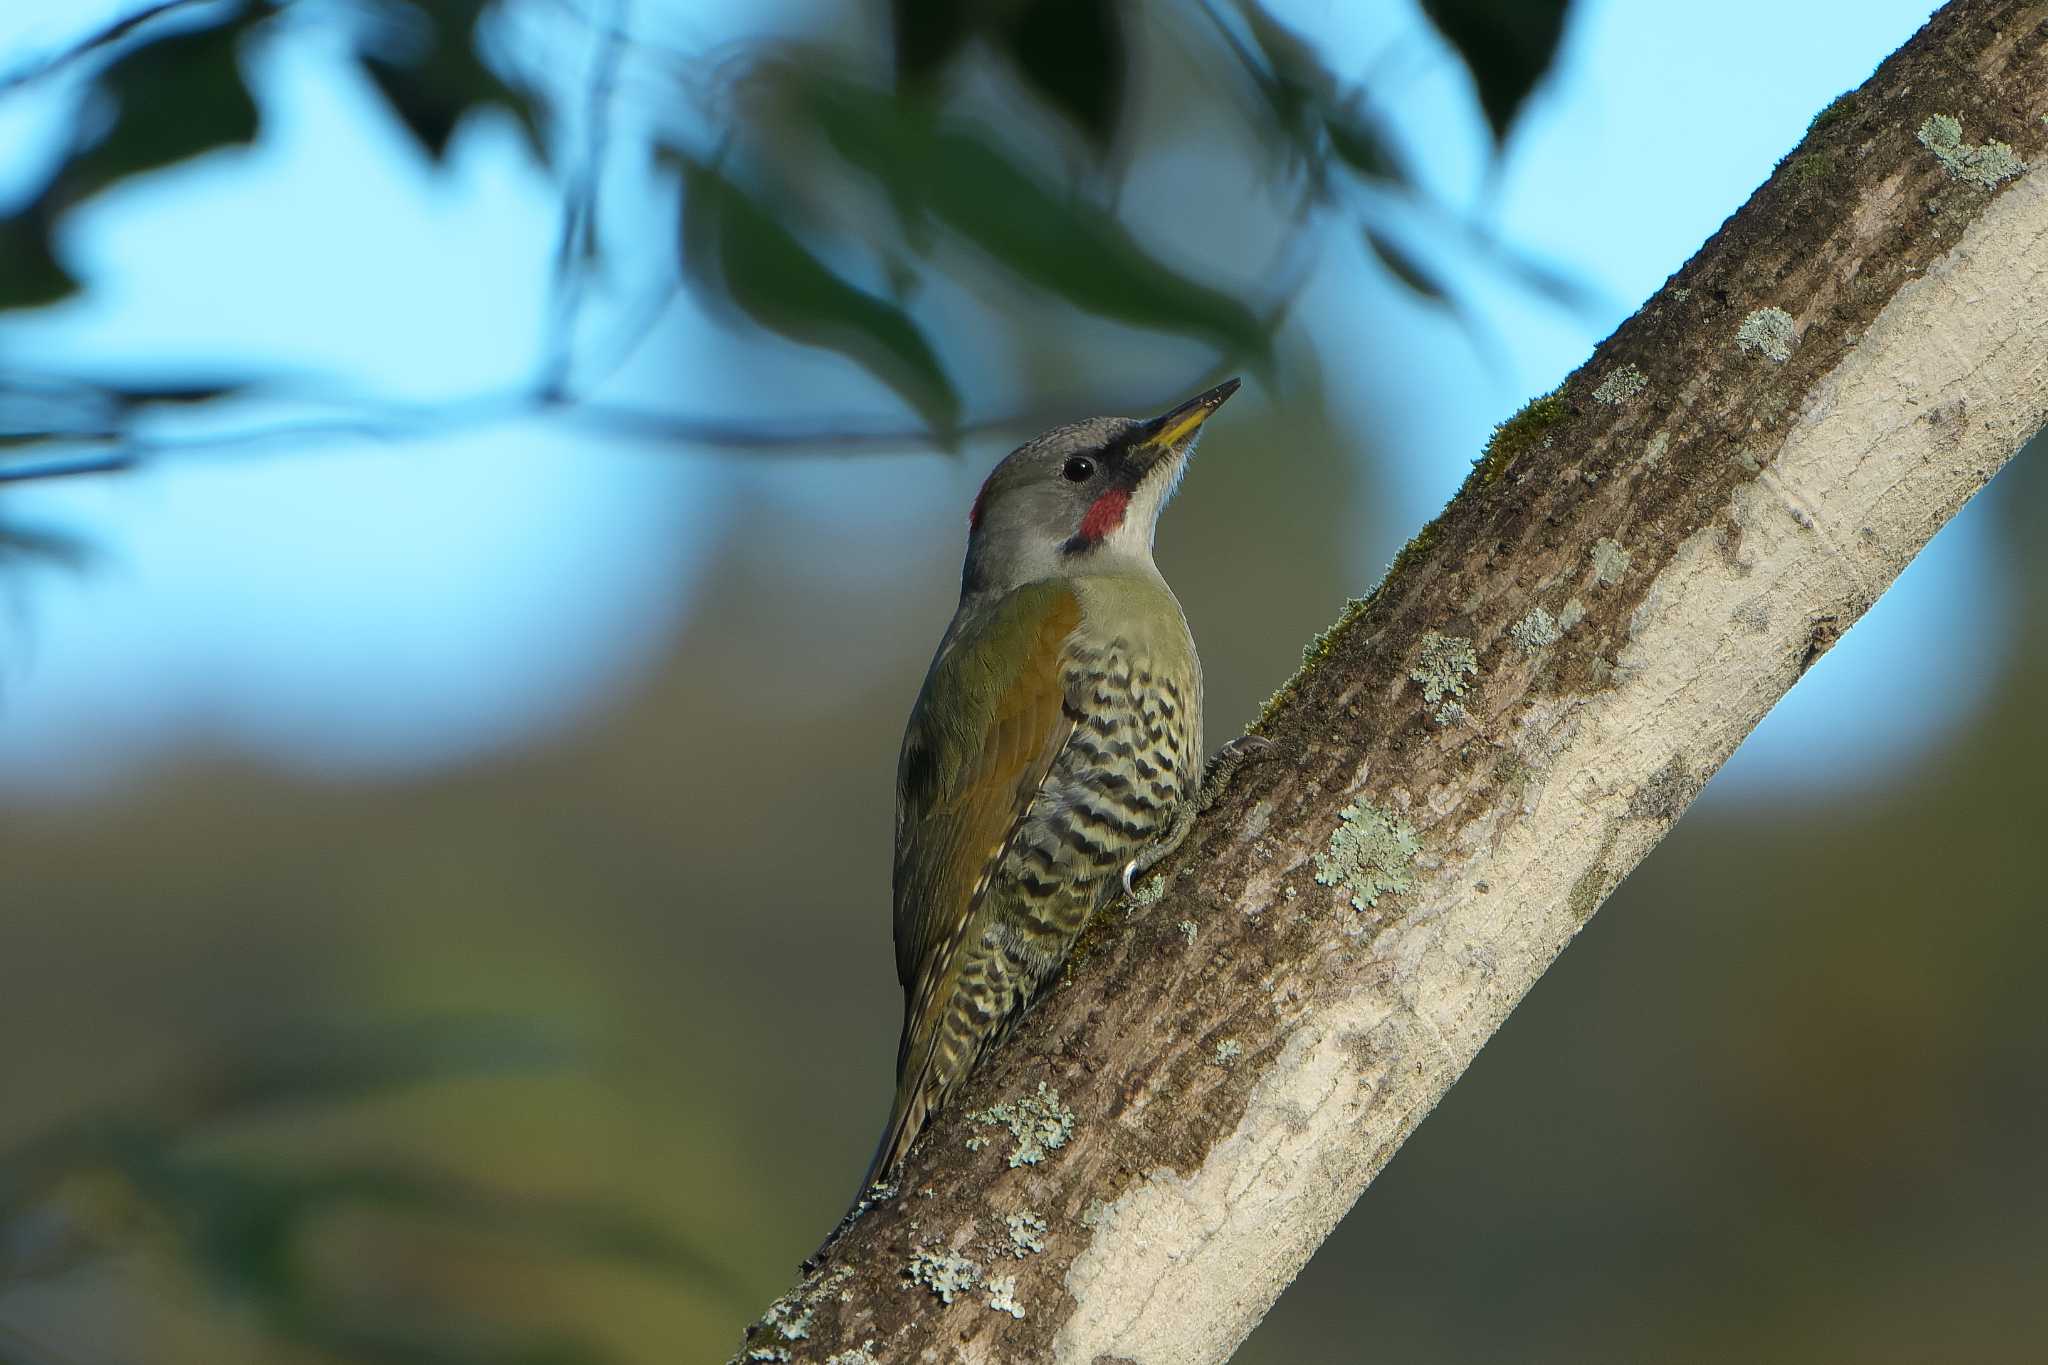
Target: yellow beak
column 1169, row 431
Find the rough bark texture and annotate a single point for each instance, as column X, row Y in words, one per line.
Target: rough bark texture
column 1475, row 755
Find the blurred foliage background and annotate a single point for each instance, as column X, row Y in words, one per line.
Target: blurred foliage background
column 565, row 1045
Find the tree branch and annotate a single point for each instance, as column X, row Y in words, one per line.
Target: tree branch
column 1477, row 753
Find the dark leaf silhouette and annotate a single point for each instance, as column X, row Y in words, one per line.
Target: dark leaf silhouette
column 1073, row 52
column 194, row 73
column 1507, row 45
column 1403, row 266
column 428, row 69
column 1359, row 141
column 30, row 273
column 927, row 33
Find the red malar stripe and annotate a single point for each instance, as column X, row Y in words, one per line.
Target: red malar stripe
column 1105, row 514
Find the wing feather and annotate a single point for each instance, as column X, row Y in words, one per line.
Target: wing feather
column 991, row 718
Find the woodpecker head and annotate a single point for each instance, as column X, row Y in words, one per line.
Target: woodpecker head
column 1082, row 498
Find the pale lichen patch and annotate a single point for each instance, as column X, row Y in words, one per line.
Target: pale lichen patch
column 1187, row 929
column 1002, row 1296
column 1573, row 613
column 1536, row 630
column 863, row 1354
column 1986, row 166
column 1371, row 853
column 1038, row 1121
column 790, row 1316
column 1445, row 663
column 1228, row 1051
column 1622, row 385
column 1610, row 561
column 1027, row 1233
column 947, row 1274
column 1770, row 332
column 1148, row 892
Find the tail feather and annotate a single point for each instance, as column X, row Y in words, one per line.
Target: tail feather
column 907, row 1118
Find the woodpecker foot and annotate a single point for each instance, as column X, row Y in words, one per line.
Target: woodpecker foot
column 1227, row 760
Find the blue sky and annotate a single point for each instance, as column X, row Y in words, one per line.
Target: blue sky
column 363, row 608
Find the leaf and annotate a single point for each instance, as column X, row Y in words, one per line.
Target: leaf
column 1507, row 45
column 1075, row 249
column 1293, row 80
column 1406, row 267
column 174, row 98
column 1403, row 266
column 1073, row 52
column 1355, row 138
column 927, row 34
column 733, row 246
column 1306, row 96
column 1065, row 246
column 30, row 274
column 432, row 76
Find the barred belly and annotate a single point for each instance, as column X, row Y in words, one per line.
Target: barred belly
column 1134, row 756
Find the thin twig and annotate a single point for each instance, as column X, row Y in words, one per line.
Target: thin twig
column 579, row 202
column 820, row 436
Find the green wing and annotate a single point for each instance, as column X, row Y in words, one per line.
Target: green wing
column 990, row 720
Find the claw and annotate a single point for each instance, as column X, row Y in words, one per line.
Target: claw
column 1130, row 868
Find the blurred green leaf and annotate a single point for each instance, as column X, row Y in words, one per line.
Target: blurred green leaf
column 734, row 247
column 1075, row 249
column 1287, row 73
column 1507, row 45
column 1403, row 266
column 1061, row 244
column 432, row 75
column 1309, row 101
column 1361, row 144
column 1074, row 53
column 30, row 274
column 174, row 97
column 926, row 34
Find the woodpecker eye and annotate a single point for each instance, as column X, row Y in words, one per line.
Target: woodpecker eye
column 1080, row 469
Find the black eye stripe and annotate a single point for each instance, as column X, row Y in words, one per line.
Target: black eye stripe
column 1080, row 469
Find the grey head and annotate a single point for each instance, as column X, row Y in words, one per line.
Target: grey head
column 1083, row 498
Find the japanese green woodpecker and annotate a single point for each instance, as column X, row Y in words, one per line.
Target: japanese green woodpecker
column 1055, row 750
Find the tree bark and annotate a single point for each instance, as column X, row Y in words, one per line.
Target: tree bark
column 1475, row 755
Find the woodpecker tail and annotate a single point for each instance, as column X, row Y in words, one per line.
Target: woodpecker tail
column 907, row 1117
column 915, row 1101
